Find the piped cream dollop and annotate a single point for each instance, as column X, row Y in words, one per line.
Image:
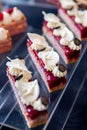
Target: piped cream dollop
column 29, row 91
column 39, row 106
column 17, row 67
column 39, row 42
column 50, row 17
column 58, row 73
column 16, row 14
column 80, row 16
column 68, row 4
column 3, row 34
column 6, row 18
column 50, row 58
column 73, row 46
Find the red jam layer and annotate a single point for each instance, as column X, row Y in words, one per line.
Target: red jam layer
column 32, row 113
column 51, row 79
column 29, row 110
column 70, row 54
column 1, row 16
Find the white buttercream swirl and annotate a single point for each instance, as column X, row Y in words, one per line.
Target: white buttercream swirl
column 29, row 91
column 50, row 17
column 50, row 58
column 29, row 94
column 39, row 106
column 39, row 42
column 16, row 14
column 3, row 34
column 68, row 4
column 58, row 73
column 17, row 67
column 6, row 18
column 53, row 25
column 73, row 46
column 65, row 33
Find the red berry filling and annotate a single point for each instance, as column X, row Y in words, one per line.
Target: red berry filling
column 32, row 113
column 1, row 16
column 9, row 11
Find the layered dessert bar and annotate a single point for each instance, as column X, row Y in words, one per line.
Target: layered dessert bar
column 13, row 20
column 61, row 38
column 27, row 91
column 47, row 62
column 73, row 16
column 5, row 40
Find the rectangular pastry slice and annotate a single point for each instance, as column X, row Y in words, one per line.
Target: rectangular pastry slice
column 74, row 17
column 13, row 20
column 61, row 38
column 5, row 41
column 27, row 91
column 47, row 62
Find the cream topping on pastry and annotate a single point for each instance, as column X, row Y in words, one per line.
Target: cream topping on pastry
column 68, row 4
column 3, row 33
column 66, row 35
column 64, row 32
column 29, row 94
column 39, row 106
column 6, row 18
column 73, row 46
column 80, row 16
column 39, row 42
column 58, row 73
column 48, row 55
column 50, row 17
column 29, row 91
column 17, row 67
column 16, row 14
column 50, row 58
column 52, row 25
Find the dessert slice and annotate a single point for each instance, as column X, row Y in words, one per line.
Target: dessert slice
column 47, row 62
column 5, row 41
column 32, row 104
column 13, row 20
column 74, row 17
column 61, row 38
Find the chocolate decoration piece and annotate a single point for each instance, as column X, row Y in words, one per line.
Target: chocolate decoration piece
column 44, row 101
column 19, row 57
column 77, row 41
column 42, row 49
column 57, row 27
column 62, row 68
column 19, row 77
